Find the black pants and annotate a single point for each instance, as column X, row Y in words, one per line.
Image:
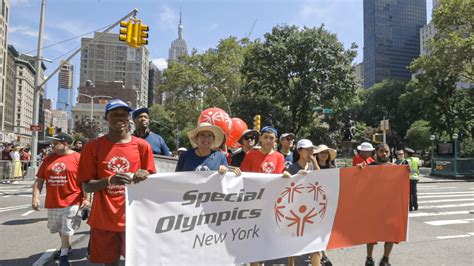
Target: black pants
column 413, row 195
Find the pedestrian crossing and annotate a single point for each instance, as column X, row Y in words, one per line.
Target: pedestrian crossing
column 448, row 205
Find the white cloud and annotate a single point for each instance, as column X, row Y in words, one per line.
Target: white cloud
column 19, row 2
column 161, row 63
column 168, row 18
column 23, row 30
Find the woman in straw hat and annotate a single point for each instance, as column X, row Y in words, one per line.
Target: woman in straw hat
column 325, row 156
column 205, row 139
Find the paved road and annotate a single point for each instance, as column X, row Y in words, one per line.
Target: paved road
column 441, row 231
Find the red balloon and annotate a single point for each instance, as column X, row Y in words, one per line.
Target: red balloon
column 238, row 128
column 217, row 117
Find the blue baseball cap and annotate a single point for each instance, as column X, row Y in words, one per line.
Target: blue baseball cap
column 139, row 111
column 269, row 129
column 116, row 103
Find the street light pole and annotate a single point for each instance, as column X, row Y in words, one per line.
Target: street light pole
column 37, row 88
column 92, row 101
column 432, row 138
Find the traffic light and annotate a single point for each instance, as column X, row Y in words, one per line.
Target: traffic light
column 51, row 131
column 256, row 122
column 142, row 34
column 126, row 32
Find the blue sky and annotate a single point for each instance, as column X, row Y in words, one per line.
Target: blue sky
column 205, row 23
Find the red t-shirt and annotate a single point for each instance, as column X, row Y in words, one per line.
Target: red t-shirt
column 102, row 158
column 62, row 187
column 358, row 159
column 258, row 162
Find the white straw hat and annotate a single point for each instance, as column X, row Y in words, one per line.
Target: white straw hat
column 365, row 146
column 322, row 147
column 215, row 130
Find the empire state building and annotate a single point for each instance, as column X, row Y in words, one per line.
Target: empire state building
column 179, row 47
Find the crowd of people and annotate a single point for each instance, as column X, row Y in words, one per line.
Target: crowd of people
column 103, row 166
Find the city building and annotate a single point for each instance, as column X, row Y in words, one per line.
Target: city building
column 9, row 93
column 391, row 38
column 5, row 9
column 359, row 74
column 23, row 103
column 81, row 113
column 101, row 92
column 108, row 60
column 154, row 81
column 59, row 119
column 65, row 99
column 178, row 49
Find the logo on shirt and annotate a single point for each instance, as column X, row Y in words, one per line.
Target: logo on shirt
column 202, row 168
column 268, row 167
column 58, row 168
column 118, row 165
column 299, row 207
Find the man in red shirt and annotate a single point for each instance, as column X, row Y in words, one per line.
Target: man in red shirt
column 266, row 159
column 107, row 165
column 64, row 196
column 364, row 156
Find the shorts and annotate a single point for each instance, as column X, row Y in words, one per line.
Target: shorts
column 106, row 246
column 60, row 220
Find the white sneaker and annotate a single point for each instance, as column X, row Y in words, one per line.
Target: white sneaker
column 15, row 182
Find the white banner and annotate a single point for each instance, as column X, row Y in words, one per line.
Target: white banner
column 206, row 218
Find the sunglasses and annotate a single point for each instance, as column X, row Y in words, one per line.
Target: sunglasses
column 249, row 137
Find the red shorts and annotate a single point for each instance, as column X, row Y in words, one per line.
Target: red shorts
column 106, row 246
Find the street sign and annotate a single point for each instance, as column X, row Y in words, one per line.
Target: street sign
column 36, row 127
column 327, row 111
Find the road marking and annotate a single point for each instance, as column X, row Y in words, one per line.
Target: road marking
column 424, row 214
column 7, row 196
column 13, row 208
column 8, row 190
column 423, row 186
column 445, row 196
column 449, row 237
column 446, row 206
column 472, row 234
column 28, row 212
column 445, row 200
column 442, row 193
column 448, row 222
column 45, row 257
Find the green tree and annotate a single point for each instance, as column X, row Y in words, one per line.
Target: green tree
column 450, row 61
column 294, row 71
column 418, row 135
column 382, row 100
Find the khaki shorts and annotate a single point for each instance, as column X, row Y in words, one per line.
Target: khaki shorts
column 60, row 220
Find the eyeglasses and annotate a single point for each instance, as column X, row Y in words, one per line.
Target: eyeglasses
column 289, row 139
column 249, row 137
column 399, row 153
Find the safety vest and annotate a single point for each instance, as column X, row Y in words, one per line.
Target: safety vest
column 414, row 163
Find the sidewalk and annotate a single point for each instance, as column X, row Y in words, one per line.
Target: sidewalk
column 425, row 177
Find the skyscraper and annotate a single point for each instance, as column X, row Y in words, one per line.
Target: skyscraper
column 391, row 38
column 178, row 46
column 110, row 60
column 65, row 90
column 178, row 49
